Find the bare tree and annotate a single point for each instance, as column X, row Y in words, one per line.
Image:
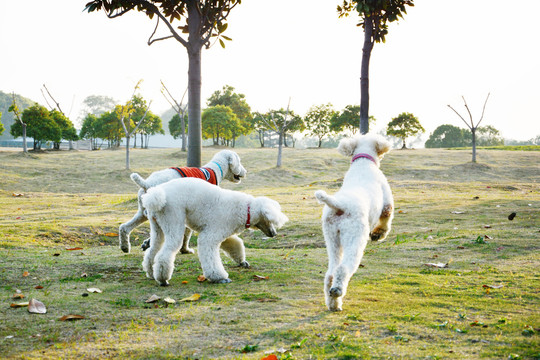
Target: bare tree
column 471, row 125
column 180, row 109
column 52, row 108
column 280, row 127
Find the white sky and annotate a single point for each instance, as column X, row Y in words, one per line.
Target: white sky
column 440, row 51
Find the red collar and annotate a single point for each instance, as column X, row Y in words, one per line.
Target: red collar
column 248, row 221
column 367, row 156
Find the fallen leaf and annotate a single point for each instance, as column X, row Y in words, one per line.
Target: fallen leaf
column 25, row 274
column 38, row 287
column 152, row 299
column 75, row 248
column 83, row 275
column 71, row 317
column 18, row 305
column 56, row 254
column 201, row 278
column 18, row 218
column 461, row 247
column 16, row 195
column 168, row 300
column 94, row 290
column 270, row 357
column 111, row 234
column 437, row 265
column 36, row 307
column 487, row 226
column 18, row 296
column 458, row 212
column 193, row 297
column 493, row 286
column 259, row 278
column 184, row 282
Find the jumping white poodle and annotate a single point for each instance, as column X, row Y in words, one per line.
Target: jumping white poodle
column 218, row 215
column 224, row 165
column 360, row 210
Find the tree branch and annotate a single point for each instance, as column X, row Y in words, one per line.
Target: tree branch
column 56, row 102
column 469, row 111
column 482, row 117
column 461, row 117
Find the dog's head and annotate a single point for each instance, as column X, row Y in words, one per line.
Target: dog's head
column 233, row 171
column 372, row 144
column 268, row 216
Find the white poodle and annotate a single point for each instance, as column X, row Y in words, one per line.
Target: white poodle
column 217, row 214
column 224, row 165
column 360, row 210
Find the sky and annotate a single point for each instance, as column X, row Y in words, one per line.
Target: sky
column 291, row 49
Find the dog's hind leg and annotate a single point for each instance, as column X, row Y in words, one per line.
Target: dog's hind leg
column 158, row 237
column 208, row 250
column 185, row 244
column 384, row 224
column 335, row 254
column 126, row 228
column 354, row 243
column 164, row 260
column 233, row 246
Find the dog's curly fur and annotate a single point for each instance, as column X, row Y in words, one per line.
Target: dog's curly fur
column 225, row 164
column 360, row 210
column 218, row 215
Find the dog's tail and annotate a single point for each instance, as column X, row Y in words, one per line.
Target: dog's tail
column 137, row 179
column 329, row 200
column 154, row 200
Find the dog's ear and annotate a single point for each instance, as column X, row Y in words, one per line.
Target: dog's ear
column 346, row 146
column 382, row 146
column 234, row 162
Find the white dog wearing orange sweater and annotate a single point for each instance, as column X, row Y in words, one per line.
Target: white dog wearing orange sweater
column 360, row 210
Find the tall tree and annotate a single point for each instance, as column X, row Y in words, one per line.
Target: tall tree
column 317, row 121
column 15, row 110
column 67, row 129
column 403, row 126
column 39, row 125
column 200, row 20
column 375, row 15
column 471, row 125
column 347, row 120
column 89, row 130
column 219, row 122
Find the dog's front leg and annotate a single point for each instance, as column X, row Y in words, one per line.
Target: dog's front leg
column 208, row 250
column 383, row 225
column 233, row 246
column 185, row 245
column 157, row 238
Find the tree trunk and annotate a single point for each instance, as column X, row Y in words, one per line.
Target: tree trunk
column 473, row 131
column 25, row 147
column 261, row 138
column 127, row 152
column 364, row 75
column 194, row 86
column 404, row 144
column 183, row 126
column 280, row 145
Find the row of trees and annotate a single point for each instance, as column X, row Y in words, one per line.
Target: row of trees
column 448, row 136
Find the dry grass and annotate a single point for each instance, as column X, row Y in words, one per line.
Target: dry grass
column 396, row 306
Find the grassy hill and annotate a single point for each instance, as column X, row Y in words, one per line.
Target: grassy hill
column 483, row 304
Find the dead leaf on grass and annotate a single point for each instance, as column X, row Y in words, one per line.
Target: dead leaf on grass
column 201, row 278
column 38, row 287
column 25, row 274
column 493, row 286
column 168, row 300
column 36, row 307
column 270, row 357
column 94, row 290
column 191, row 298
column 152, row 299
column 487, row 226
column 71, row 317
column 18, row 296
column 75, row 248
column 259, row 277
column 111, row 234
column 458, row 212
column 18, row 305
column 17, row 195
column 512, row 216
column 438, row 265
column 184, row 282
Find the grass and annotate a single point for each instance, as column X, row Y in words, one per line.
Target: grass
column 396, row 306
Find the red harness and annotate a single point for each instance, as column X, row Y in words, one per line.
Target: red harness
column 204, row 173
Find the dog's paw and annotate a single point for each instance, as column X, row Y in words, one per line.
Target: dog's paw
column 221, row 281
column 145, row 245
column 335, row 292
column 164, row 283
column 336, row 308
column 378, row 235
column 125, row 247
column 187, row 251
column 244, row 264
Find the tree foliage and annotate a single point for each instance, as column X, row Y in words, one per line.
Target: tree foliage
column 448, row 136
column 219, row 123
column 175, row 126
column 317, row 121
column 404, row 126
column 347, row 120
column 1, row 125
column 39, row 125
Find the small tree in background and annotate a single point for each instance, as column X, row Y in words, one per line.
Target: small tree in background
column 473, row 127
column 347, row 120
column 218, row 123
column 177, row 125
column 39, row 125
column 404, row 126
column 448, row 136
column 375, row 16
column 317, row 121
column 15, row 110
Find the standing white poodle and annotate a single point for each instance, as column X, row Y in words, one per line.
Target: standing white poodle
column 360, row 210
column 224, row 165
column 218, row 215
